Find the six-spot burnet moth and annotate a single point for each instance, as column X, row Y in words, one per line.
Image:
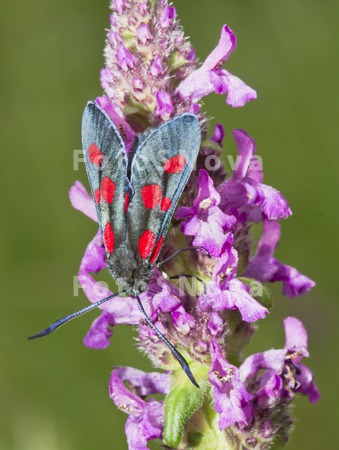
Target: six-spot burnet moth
column 135, row 197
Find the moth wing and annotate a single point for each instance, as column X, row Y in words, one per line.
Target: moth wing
column 160, row 170
column 106, row 165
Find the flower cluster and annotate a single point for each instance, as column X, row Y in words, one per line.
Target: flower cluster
column 151, row 75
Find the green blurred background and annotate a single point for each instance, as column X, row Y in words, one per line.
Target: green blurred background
column 53, row 392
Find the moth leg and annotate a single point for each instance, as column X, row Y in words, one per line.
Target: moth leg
column 175, row 254
column 184, row 275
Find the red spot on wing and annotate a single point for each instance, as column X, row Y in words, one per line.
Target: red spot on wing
column 151, row 195
column 109, row 238
column 95, row 155
column 146, row 242
column 166, row 203
column 175, row 164
column 97, row 195
column 126, row 202
column 107, row 189
column 157, row 249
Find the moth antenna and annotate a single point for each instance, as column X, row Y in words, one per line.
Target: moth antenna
column 178, row 356
column 175, row 254
column 60, row 322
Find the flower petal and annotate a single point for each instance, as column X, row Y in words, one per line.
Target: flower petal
column 209, row 77
column 82, row 201
column 307, row 384
column 222, row 51
column 246, row 149
column 296, row 336
column 238, row 296
column 231, row 399
column 144, row 383
column 145, row 420
column 271, row 360
column 100, row 332
column 238, row 93
column 273, row 203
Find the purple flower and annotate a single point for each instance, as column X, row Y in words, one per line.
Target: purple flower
column 165, row 105
column 146, row 418
column 157, row 67
column 283, row 374
column 231, row 399
column 211, row 78
column 264, row 267
column 226, row 292
column 144, row 34
column 119, row 5
column 168, row 16
column 245, row 191
column 125, row 58
column 205, row 220
column 218, row 134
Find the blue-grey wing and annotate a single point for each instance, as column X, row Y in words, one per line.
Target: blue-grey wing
column 106, row 165
column 160, row 168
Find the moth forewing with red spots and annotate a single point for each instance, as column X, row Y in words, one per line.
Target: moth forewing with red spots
column 136, row 197
column 106, row 165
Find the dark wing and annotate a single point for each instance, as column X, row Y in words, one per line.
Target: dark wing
column 106, row 166
column 160, row 170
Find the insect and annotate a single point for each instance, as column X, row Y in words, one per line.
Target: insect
column 135, row 197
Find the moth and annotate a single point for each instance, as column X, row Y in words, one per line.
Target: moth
column 135, row 196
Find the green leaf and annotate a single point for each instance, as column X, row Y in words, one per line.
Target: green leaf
column 183, row 401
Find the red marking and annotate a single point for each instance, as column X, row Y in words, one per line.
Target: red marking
column 175, row 164
column 146, row 242
column 109, row 238
column 97, row 196
column 157, row 249
column 95, row 155
column 126, row 202
column 166, row 203
column 151, row 195
column 107, row 189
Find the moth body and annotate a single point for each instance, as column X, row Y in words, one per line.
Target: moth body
column 131, row 274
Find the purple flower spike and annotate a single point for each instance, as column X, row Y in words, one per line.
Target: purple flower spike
column 146, row 418
column 231, row 399
column 205, row 221
column 210, row 78
column 264, row 267
column 151, row 75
